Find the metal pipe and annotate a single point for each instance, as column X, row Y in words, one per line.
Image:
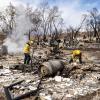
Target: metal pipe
column 7, row 93
column 13, row 84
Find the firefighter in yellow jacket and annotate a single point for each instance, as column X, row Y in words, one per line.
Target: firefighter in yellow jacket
column 26, row 51
column 76, row 54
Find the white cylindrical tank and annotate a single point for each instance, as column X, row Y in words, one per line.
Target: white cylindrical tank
column 51, row 67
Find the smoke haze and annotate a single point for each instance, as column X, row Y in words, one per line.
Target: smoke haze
column 18, row 38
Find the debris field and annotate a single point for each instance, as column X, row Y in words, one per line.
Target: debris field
column 77, row 81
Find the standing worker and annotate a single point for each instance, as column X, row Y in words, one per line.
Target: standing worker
column 26, row 51
column 76, row 54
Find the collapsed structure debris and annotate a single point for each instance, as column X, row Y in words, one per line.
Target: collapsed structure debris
column 76, row 80
column 75, row 71
column 10, row 96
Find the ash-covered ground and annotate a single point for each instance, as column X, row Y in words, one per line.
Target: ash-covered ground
column 81, row 83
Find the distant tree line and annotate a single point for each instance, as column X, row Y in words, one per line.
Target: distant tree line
column 47, row 21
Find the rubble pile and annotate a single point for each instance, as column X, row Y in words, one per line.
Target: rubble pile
column 43, row 53
column 9, row 60
column 68, row 88
column 76, row 82
column 79, row 71
column 53, row 88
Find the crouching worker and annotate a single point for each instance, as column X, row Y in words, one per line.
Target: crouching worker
column 76, row 54
column 26, row 51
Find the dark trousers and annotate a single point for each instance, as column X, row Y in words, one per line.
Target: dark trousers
column 27, row 58
column 77, row 56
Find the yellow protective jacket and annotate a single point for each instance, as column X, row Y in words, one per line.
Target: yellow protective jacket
column 76, row 53
column 26, row 48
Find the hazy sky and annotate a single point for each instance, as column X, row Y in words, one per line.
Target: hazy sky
column 72, row 10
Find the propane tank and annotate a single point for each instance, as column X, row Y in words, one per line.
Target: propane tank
column 51, row 67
